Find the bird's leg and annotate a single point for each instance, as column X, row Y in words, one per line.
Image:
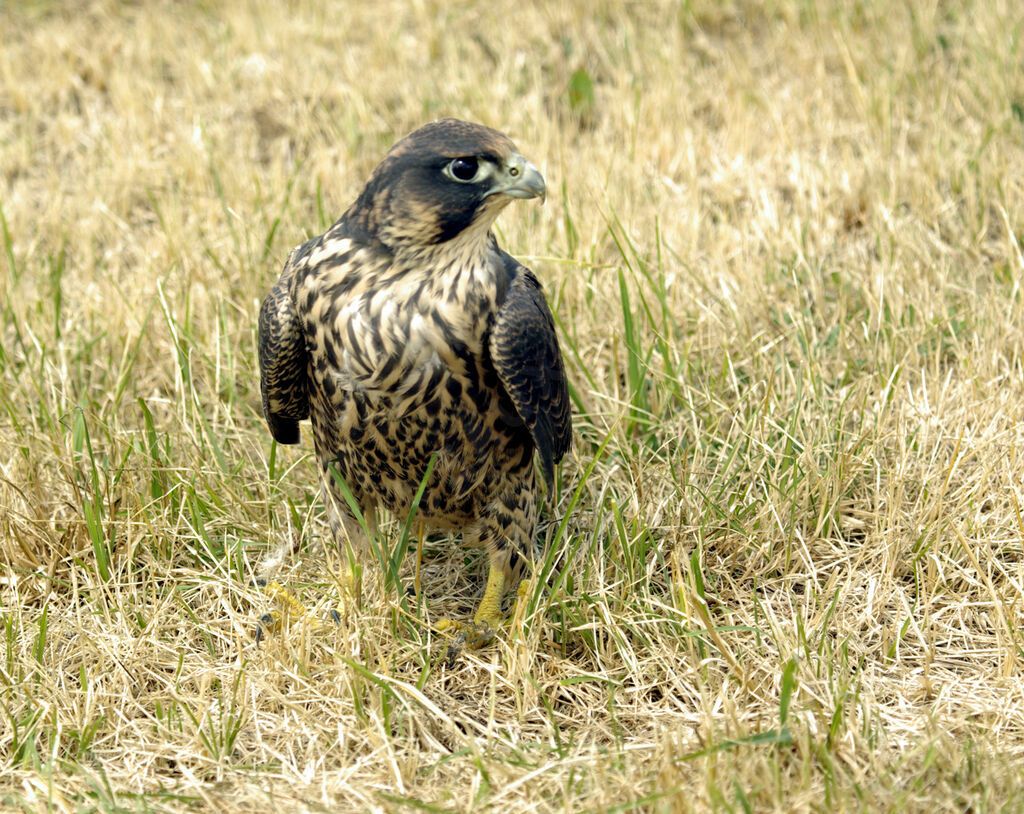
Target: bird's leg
column 353, row 545
column 268, row 566
column 488, row 616
column 507, row 533
column 488, row 612
column 487, row 619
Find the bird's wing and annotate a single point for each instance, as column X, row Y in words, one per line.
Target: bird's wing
column 525, row 353
column 282, row 352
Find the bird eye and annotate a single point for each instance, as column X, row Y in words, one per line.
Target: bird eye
column 463, row 169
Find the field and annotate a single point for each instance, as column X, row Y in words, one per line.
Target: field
column 783, row 245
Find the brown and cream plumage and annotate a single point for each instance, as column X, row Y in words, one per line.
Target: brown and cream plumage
column 404, row 332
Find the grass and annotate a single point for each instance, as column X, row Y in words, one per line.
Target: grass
column 783, row 248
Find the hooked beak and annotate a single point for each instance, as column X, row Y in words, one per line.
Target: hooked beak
column 520, row 179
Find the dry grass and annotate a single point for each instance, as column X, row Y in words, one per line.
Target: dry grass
column 784, row 249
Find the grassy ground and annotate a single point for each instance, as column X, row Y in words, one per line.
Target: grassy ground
column 784, row 250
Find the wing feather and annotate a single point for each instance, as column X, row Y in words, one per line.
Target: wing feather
column 283, row 370
column 524, row 349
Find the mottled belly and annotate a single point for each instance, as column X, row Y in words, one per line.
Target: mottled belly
column 385, row 457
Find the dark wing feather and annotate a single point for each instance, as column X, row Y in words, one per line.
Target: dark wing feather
column 282, row 351
column 525, row 353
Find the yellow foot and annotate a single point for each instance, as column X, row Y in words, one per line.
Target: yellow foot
column 473, row 635
column 488, row 619
column 290, row 609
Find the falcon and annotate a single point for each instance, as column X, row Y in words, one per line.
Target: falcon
column 424, row 354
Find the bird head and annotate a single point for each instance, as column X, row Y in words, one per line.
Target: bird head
column 445, row 182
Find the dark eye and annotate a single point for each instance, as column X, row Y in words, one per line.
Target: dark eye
column 463, row 169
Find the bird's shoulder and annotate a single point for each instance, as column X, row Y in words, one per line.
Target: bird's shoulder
column 505, row 269
column 332, row 268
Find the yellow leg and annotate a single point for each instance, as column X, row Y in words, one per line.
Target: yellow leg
column 489, row 612
column 488, row 616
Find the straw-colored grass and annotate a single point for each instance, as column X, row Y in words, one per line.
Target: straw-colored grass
column 784, row 248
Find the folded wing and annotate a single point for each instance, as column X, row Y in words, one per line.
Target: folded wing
column 524, row 349
column 283, row 372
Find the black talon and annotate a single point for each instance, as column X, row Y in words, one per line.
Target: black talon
column 453, row 651
column 265, row 622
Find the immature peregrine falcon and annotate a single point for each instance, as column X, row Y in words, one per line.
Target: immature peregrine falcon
column 404, row 332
